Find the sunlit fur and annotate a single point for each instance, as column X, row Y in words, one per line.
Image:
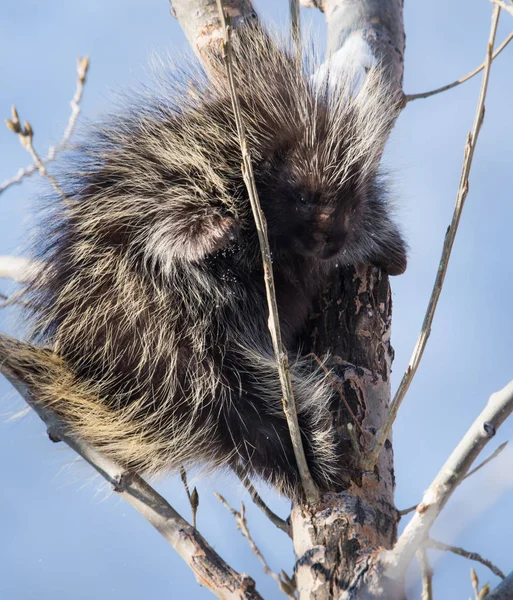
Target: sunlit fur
column 153, row 293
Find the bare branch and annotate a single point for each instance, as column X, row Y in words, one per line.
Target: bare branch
column 25, row 135
column 242, row 526
column 418, row 351
column 289, row 406
column 209, row 568
column 407, row 511
column 201, row 25
column 498, row 408
column 496, row 453
column 487, row 460
column 431, row 543
column 427, row 574
column 255, row 497
column 444, row 88
column 295, row 26
column 504, row 5
column 82, row 67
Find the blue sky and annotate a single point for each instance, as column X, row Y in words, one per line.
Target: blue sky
column 61, row 536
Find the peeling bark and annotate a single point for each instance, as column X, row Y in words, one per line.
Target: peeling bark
column 337, row 541
column 200, row 20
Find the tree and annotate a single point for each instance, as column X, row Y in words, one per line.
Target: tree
column 368, row 287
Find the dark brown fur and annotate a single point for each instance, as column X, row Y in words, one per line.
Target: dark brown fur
column 153, row 292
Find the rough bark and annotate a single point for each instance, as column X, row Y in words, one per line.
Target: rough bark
column 200, row 20
column 337, row 542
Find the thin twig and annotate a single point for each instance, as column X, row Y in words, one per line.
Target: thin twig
column 295, row 26
column 384, row 431
column 82, row 67
column 25, row 134
column 427, row 574
column 431, row 543
column 193, row 496
column 410, row 97
column 504, row 5
column 209, row 568
column 497, row 410
column 289, row 406
column 285, row 582
column 487, row 460
column 257, row 500
column 496, row 453
column 407, row 511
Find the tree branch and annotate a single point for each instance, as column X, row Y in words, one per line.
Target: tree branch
column 201, row 23
column 496, row 453
column 384, row 432
column 210, row 569
column 504, row 5
column 427, row 574
column 289, row 406
column 257, row 500
column 431, row 543
column 499, row 407
column 82, row 68
column 284, row 583
column 410, row 97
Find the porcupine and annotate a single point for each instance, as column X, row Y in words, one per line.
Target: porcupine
column 152, row 294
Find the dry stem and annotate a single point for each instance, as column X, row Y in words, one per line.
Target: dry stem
column 427, row 574
column 82, row 67
column 384, row 432
column 289, row 406
column 496, row 453
column 444, row 88
column 284, row 582
column 431, row 543
column 257, row 500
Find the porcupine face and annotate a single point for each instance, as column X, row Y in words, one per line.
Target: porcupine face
column 307, row 214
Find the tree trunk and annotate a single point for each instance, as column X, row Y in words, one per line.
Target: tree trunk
column 336, row 541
